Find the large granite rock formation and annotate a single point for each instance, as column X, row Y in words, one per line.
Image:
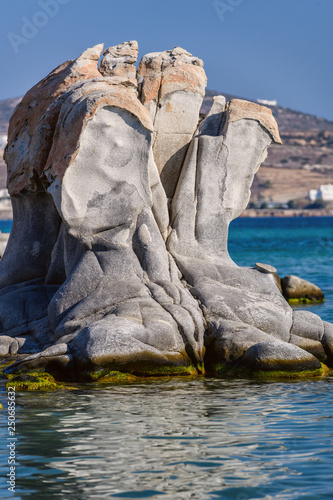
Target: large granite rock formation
column 122, row 200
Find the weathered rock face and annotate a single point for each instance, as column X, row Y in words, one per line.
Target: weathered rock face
column 100, row 270
column 118, row 61
column 172, row 87
column 107, row 288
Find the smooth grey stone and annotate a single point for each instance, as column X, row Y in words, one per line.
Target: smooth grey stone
column 327, row 341
column 295, row 287
column 308, row 325
column 8, row 346
column 55, row 350
column 124, row 262
column 231, row 341
column 312, row 346
column 267, row 268
column 279, row 356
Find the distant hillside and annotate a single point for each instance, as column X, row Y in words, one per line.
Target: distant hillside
column 287, row 119
column 303, row 162
column 7, row 107
column 6, row 110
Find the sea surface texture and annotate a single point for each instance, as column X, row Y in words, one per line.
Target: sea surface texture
column 186, row 438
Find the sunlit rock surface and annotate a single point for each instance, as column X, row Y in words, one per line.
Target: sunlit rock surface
column 122, row 200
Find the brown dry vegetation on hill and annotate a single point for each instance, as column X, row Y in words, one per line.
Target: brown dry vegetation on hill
column 284, row 184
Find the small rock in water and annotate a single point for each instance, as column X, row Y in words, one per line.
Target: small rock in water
column 297, row 290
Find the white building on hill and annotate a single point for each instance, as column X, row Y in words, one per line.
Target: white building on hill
column 267, row 102
column 325, row 193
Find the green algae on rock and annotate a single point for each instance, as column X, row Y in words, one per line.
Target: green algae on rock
column 34, row 381
column 165, row 371
column 304, row 300
column 224, row 371
column 106, row 375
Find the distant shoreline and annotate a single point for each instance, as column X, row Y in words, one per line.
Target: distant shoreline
column 290, row 212
column 7, row 215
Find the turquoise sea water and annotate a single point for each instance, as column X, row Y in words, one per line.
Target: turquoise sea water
column 5, row 226
column 180, row 438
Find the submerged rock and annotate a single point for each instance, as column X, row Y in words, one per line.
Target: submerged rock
column 102, row 273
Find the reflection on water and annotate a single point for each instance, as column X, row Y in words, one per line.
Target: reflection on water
column 180, row 438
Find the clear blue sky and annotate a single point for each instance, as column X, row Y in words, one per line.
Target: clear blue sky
column 268, row 49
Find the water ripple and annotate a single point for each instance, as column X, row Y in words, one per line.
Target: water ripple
column 198, row 439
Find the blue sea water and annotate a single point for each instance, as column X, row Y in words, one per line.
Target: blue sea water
column 184, row 438
column 5, row 226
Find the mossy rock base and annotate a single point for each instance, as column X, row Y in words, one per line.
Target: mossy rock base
column 37, row 380
column 108, row 376
column 165, row 371
column 224, row 371
column 41, row 381
column 34, row 381
column 304, row 301
column 135, row 374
